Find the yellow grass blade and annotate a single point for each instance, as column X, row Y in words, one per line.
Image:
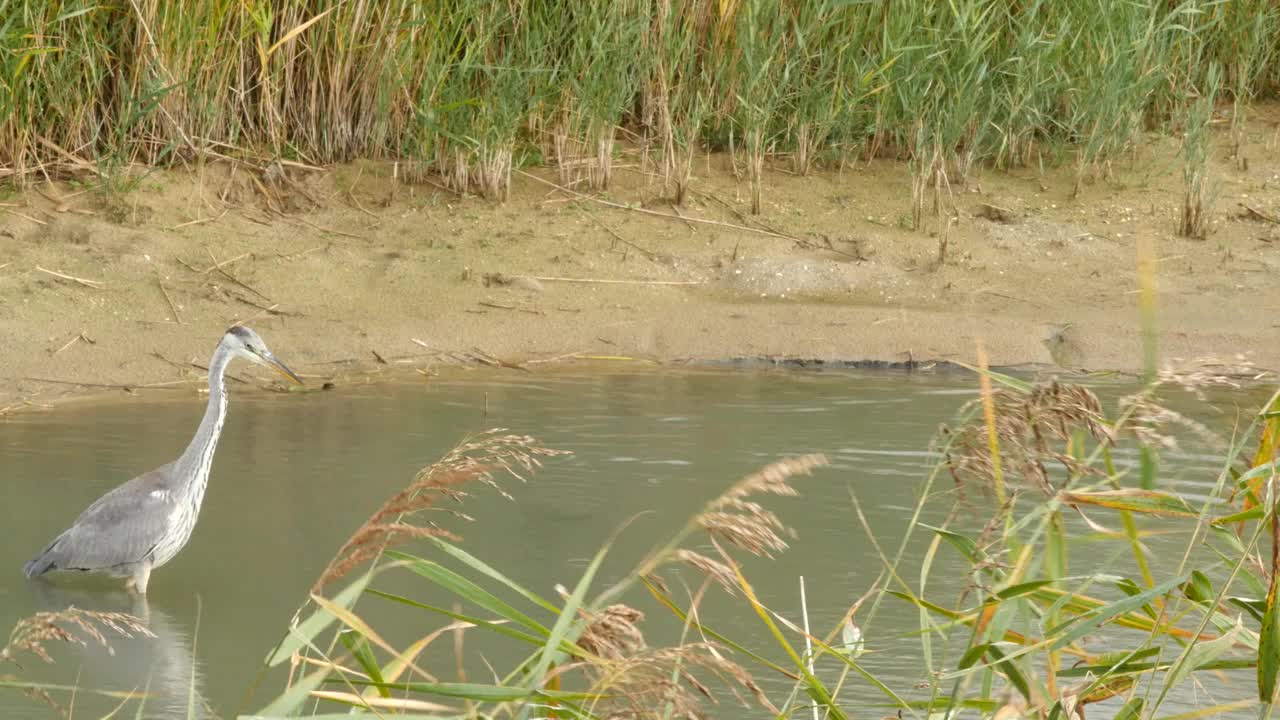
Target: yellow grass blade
column 296, row 32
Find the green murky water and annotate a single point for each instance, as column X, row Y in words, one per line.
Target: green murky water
column 296, row 474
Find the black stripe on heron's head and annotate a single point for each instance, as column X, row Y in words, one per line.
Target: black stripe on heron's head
column 239, row 331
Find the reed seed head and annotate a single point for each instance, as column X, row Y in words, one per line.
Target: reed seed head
column 400, row 519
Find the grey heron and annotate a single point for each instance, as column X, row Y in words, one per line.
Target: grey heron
column 142, row 524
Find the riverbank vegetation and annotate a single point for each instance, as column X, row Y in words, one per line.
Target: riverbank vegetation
column 468, row 92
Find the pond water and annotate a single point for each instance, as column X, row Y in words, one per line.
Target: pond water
column 295, row 474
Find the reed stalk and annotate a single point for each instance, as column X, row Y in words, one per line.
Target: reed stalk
column 463, row 89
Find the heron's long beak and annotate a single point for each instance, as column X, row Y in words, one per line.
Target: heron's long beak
column 270, row 361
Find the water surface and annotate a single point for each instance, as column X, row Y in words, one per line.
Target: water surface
column 295, row 474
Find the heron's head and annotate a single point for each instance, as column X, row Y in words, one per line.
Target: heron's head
column 245, row 343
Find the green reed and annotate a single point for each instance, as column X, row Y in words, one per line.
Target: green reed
column 1247, row 46
column 465, row 89
column 1196, row 119
column 605, row 65
column 680, row 95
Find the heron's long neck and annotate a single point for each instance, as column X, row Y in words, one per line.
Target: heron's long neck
column 198, row 457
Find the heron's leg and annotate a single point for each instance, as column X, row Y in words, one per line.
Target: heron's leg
column 138, row 580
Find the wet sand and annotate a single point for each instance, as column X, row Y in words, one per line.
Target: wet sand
column 347, row 272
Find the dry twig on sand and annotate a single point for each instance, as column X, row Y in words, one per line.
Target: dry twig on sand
column 95, row 284
column 645, row 211
column 164, row 291
column 76, row 338
column 608, row 281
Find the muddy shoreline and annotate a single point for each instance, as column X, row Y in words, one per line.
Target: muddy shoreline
column 360, row 273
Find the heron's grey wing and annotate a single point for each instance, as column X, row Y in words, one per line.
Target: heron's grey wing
column 119, row 528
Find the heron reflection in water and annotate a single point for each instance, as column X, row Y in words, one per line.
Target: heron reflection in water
column 143, row 523
column 162, row 668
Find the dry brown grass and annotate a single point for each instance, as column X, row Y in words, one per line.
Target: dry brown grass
column 745, row 523
column 475, row 460
column 31, row 634
column 1149, row 422
column 741, row 522
column 627, row 678
column 638, row 682
column 72, row 626
column 1031, row 428
column 1152, row 423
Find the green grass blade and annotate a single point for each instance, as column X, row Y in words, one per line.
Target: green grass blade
column 1006, row 380
column 1254, row 513
column 709, row 632
column 306, row 631
column 1011, row 671
column 967, row 547
column 1076, row 671
column 880, row 685
column 568, row 616
column 360, row 650
column 1119, row 607
column 55, row 687
column 1021, row 589
column 347, row 716
column 480, row 566
column 1198, row 654
column 479, row 692
column 478, row 622
column 813, row 686
column 292, row 699
column 467, row 590
column 1151, row 502
column 1269, row 645
column 1132, row 710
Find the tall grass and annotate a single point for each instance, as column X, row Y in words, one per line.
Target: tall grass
column 679, row 97
column 760, row 84
column 465, row 89
column 1250, row 28
column 604, row 35
column 1196, row 119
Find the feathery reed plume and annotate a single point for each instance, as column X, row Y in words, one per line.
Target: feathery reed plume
column 641, row 687
column 634, row 681
column 738, row 521
column 30, row 634
column 715, row 570
column 1205, row 372
column 1146, row 420
column 637, row 682
column 747, row 524
column 475, row 460
column 614, row 633
column 1029, row 426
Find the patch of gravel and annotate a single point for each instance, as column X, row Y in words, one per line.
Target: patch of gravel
column 782, row 277
column 1037, row 233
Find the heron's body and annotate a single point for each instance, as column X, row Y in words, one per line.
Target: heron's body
column 143, row 523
